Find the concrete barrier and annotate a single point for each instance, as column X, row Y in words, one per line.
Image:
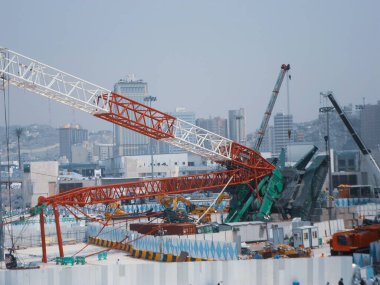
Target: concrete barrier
column 311, row 271
column 144, row 254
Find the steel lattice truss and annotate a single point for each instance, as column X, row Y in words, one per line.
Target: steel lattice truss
column 142, row 189
column 57, row 85
column 47, row 81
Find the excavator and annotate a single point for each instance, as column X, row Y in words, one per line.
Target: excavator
column 171, row 202
column 114, row 212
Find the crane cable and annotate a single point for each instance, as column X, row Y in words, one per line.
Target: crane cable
column 288, row 78
column 88, row 243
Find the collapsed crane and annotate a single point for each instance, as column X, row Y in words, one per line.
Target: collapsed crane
column 271, row 187
column 243, row 164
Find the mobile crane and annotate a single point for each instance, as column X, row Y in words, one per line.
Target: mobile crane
column 243, row 165
column 358, row 239
column 268, row 112
column 359, row 142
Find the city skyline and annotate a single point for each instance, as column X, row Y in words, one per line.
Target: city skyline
column 227, row 62
column 210, row 116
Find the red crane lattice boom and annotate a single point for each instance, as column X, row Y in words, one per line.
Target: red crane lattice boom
column 142, row 189
column 243, row 164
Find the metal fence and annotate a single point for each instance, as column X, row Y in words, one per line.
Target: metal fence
column 29, row 235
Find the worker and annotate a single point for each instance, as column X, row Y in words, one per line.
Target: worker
column 341, row 282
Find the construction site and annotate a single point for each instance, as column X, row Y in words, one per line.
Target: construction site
column 262, row 216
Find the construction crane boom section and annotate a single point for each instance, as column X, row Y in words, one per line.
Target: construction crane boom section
column 57, row 85
column 142, row 189
column 268, row 112
column 348, row 125
column 364, row 150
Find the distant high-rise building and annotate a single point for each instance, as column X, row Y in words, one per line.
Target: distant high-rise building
column 184, row 115
column 215, row 125
column 82, row 152
column 236, row 124
column 283, row 127
column 128, row 142
column 370, row 127
column 103, row 151
column 70, row 135
column 267, row 145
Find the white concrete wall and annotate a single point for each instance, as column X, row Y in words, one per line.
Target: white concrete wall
column 37, row 181
column 369, row 210
column 307, row 271
column 287, row 226
column 328, row 228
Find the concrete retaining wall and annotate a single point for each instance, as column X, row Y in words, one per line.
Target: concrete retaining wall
column 311, row 271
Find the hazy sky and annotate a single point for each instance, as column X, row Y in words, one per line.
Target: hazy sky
column 207, row 56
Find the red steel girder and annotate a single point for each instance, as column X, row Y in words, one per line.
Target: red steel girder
column 138, row 117
column 141, row 189
column 242, row 156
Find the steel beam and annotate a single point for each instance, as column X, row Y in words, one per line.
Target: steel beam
column 58, row 228
column 43, row 241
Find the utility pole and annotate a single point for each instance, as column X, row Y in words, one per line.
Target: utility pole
column 2, row 88
column 361, row 109
column 1, row 218
column 151, row 99
column 327, row 111
column 19, row 132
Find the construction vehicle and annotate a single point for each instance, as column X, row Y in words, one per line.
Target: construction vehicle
column 172, row 203
column 375, row 220
column 375, row 170
column 353, row 241
column 243, row 165
column 10, row 259
column 114, row 212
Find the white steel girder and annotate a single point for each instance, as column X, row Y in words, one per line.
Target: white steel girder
column 34, row 76
column 200, row 141
column 37, row 77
